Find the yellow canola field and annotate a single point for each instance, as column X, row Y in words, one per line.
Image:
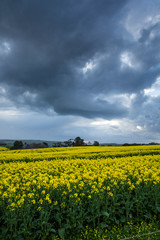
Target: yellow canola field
column 85, row 185
column 29, row 155
column 21, row 181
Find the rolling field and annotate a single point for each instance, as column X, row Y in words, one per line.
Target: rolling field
column 61, row 192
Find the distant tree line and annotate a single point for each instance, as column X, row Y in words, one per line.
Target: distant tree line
column 74, row 143
column 20, row 145
column 139, row 144
column 70, row 143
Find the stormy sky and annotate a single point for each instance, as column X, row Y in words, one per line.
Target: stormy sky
column 80, row 68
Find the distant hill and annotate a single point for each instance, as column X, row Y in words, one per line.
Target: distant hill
column 9, row 143
column 110, row 144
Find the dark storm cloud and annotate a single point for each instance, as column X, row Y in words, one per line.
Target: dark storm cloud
column 45, row 45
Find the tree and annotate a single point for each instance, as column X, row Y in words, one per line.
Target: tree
column 153, row 143
column 45, row 144
column 126, row 144
column 96, row 143
column 36, row 145
column 78, row 141
column 58, row 144
column 18, row 145
column 68, row 143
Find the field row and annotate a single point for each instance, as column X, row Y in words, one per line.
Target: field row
column 31, row 155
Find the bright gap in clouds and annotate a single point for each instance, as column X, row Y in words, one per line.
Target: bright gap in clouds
column 139, row 127
column 5, row 48
column 2, row 90
column 126, row 60
column 137, row 19
column 129, row 60
column 88, row 66
column 154, row 90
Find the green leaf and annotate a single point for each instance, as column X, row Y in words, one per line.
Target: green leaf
column 105, row 214
column 123, row 219
column 4, row 231
column 117, row 221
column 61, row 232
column 158, row 208
column 148, row 215
column 103, row 225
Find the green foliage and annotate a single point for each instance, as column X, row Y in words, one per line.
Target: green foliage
column 18, row 145
column 96, row 143
column 78, row 141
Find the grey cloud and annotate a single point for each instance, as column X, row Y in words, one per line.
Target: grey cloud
column 51, row 42
column 87, row 107
column 151, row 115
